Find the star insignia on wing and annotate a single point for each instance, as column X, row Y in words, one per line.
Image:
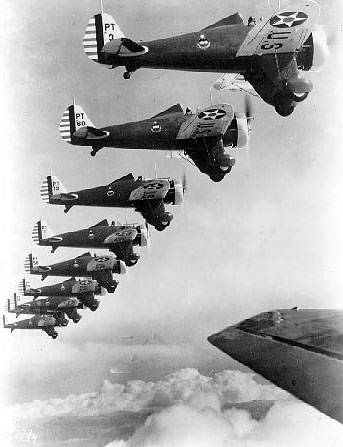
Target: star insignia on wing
column 288, row 19
column 213, row 114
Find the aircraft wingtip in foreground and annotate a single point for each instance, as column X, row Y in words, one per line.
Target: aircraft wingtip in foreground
column 269, row 53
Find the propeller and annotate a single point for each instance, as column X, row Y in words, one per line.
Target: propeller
column 148, row 246
column 248, row 108
column 184, row 182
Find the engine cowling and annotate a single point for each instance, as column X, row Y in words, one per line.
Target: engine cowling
column 314, row 52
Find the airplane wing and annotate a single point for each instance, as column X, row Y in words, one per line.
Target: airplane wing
column 299, row 350
column 151, row 190
column 284, row 32
column 120, row 235
column 210, row 122
column 234, row 82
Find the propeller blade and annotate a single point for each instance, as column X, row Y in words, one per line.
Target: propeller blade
column 184, row 182
column 248, row 107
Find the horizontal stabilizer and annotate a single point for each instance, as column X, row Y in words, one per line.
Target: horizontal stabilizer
column 234, row 19
column 124, row 48
column 177, row 108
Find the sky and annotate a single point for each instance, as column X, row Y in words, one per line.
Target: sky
column 268, row 236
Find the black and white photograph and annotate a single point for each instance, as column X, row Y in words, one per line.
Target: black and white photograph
column 172, row 262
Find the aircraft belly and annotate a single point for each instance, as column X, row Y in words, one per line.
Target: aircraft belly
column 308, row 366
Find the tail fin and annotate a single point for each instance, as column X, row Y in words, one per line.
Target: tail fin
column 50, row 187
column 41, row 231
column 4, row 322
column 100, row 30
column 30, row 262
column 73, row 119
column 24, row 286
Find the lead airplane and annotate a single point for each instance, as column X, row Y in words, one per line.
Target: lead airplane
column 269, row 54
column 100, row 268
column 119, row 239
column 57, row 306
column 202, row 136
column 46, row 323
column 147, row 196
column 84, row 290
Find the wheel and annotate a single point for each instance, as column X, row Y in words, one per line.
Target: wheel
column 131, row 262
column 93, row 153
column 127, row 75
column 111, row 289
column 54, row 335
column 76, row 320
column 161, row 227
column 94, row 308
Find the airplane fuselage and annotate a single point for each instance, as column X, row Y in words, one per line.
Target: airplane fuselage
column 185, row 52
column 156, row 133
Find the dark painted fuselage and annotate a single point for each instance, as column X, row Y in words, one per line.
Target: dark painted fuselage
column 182, row 52
column 140, row 135
column 70, row 287
column 44, row 306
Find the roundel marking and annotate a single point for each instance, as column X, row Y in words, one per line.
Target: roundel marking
column 85, row 282
column 110, row 193
column 288, row 19
column 102, row 259
column 203, row 42
column 153, row 186
column 212, row 114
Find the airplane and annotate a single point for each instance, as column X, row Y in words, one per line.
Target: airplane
column 269, row 53
column 46, row 323
column 100, row 268
column 147, row 196
column 56, row 306
column 299, row 350
column 119, row 239
column 202, row 136
column 83, row 289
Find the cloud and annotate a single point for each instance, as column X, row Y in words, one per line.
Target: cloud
column 184, row 408
column 184, row 386
column 288, row 423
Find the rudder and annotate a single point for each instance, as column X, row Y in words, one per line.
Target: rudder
column 30, row 262
column 23, row 286
column 51, row 186
column 41, row 231
column 73, row 119
column 100, row 30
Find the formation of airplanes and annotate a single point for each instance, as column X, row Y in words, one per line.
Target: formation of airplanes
column 262, row 59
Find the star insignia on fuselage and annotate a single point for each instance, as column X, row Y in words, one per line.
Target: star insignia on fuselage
column 203, row 43
column 156, row 128
column 213, row 114
column 288, row 19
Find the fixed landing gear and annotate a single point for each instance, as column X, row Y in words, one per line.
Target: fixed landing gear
column 127, row 74
column 95, row 150
column 54, row 335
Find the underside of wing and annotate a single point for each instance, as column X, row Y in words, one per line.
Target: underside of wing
column 120, row 235
column 284, row 32
column 210, row 122
column 151, row 190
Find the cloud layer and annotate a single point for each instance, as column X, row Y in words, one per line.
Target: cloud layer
column 184, row 408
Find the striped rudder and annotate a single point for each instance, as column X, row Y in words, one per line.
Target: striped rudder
column 23, row 286
column 51, row 186
column 40, row 231
column 100, row 30
column 73, row 119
